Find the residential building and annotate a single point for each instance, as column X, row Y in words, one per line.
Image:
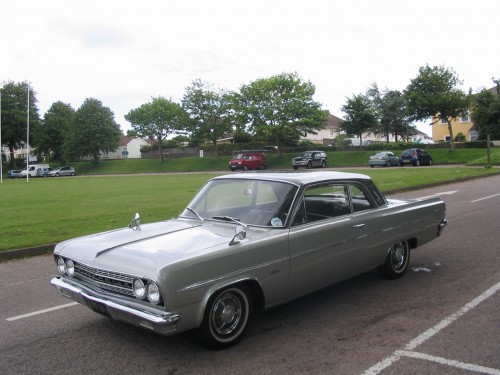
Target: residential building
column 129, row 148
column 327, row 135
column 463, row 124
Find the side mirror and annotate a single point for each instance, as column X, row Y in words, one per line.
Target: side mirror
column 240, row 235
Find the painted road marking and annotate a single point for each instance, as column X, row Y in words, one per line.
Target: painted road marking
column 419, row 340
column 482, row 199
column 41, row 312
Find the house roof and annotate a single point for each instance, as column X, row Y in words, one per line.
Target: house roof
column 333, row 122
column 125, row 140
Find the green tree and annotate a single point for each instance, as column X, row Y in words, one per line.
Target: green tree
column 92, row 132
column 486, row 114
column 281, row 107
column 15, row 115
column 434, row 93
column 360, row 116
column 53, row 131
column 210, row 109
column 391, row 111
column 158, row 119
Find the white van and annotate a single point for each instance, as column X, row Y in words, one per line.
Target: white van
column 32, row 168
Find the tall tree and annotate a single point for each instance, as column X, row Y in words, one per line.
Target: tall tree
column 15, row 115
column 281, row 107
column 53, row 131
column 92, row 133
column 360, row 116
column 434, row 93
column 158, row 119
column 486, row 113
column 210, row 109
column 392, row 113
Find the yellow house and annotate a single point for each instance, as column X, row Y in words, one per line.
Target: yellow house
column 462, row 125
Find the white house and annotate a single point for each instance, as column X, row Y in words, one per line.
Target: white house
column 129, row 148
column 326, row 135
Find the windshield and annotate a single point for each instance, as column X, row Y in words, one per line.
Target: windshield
column 252, row 202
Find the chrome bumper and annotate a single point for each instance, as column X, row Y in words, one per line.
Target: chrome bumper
column 162, row 322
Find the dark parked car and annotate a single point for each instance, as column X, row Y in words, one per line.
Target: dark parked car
column 310, row 159
column 13, row 173
column 383, row 159
column 62, row 171
column 415, row 156
column 246, row 160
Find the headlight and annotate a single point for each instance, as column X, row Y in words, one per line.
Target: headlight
column 61, row 266
column 70, row 267
column 153, row 293
column 139, row 288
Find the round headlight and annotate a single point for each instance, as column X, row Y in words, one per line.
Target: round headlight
column 61, row 266
column 70, row 267
column 139, row 288
column 153, row 293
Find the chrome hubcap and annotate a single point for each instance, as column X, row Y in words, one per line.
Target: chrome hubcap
column 226, row 314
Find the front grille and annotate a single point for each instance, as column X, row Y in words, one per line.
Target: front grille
column 104, row 280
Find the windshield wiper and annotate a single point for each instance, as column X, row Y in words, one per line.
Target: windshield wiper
column 229, row 218
column 196, row 213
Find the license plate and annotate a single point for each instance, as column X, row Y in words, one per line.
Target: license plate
column 406, row 161
column 98, row 307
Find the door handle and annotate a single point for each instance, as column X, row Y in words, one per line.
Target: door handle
column 358, row 226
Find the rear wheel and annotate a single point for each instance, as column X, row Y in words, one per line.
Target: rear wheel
column 397, row 261
column 226, row 318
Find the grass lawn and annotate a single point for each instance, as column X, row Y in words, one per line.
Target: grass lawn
column 49, row 210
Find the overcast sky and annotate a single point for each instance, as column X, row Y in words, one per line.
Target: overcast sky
column 125, row 52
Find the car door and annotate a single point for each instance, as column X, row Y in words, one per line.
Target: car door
column 316, row 160
column 328, row 238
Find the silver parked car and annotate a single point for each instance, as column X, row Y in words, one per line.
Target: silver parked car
column 62, row 171
column 383, row 159
column 246, row 241
column 43, row 172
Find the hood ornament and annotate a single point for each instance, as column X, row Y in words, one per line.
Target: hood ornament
column 135, row 224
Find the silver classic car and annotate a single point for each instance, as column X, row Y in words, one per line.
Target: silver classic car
column 246, row 241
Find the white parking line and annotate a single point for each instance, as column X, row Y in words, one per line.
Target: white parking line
column 41, row 311
column 419, row 340
column 482, row 199
column 449, row 362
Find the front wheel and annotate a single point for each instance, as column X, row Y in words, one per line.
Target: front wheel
column 226, row 318
column 397, row 261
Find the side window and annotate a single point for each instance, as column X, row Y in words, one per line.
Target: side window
column 359, row 200
column 323, row 202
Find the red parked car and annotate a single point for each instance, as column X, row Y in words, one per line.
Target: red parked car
column 248, row 160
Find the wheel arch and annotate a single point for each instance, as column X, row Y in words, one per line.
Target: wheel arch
column 250, row 285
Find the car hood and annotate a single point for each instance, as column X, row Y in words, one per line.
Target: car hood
column 149, row 249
